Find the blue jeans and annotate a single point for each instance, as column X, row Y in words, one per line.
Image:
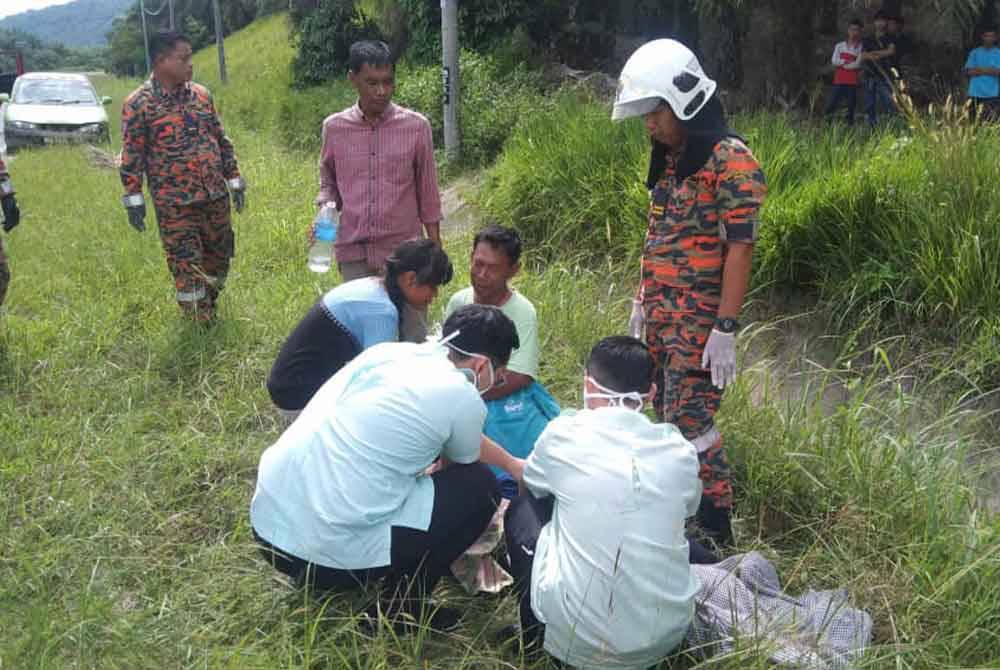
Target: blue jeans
column 878, row 90
column 841, row 93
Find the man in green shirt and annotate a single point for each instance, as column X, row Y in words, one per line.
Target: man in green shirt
column 518, row 406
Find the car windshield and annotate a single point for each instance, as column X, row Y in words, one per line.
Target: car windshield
column 54, row 92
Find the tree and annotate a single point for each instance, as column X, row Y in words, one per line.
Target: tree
column 197, row 32
column 126, row 53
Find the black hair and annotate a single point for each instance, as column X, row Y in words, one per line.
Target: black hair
column 898, row 18
column 622, row 364
column 369, row 52
column 856, row 22
column 165, row 41
column 426, row 259
column 704, row 130
column 483, row 329
column 880, row 14
column 505, row 239
column 988, row 28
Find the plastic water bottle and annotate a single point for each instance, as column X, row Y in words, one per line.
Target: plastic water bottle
column 325, row 227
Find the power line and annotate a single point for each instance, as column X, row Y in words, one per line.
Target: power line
column 158, row 11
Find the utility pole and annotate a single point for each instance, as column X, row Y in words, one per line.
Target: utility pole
column 170, row 3
column 449, row 76
column 218, row 40
column 145, row 37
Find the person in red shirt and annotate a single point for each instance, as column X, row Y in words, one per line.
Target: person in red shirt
column 847, row 59
column 377, row 165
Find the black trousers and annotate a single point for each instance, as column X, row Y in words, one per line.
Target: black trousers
column 522, row 525
column 990, row 108
column 465, row 500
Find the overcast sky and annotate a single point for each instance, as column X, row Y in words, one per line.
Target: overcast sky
column 9, row 7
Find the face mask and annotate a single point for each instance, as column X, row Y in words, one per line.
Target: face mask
column 470, row 374
column 632, row 400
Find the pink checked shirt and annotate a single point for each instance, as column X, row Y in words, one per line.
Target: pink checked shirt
column 384, row 178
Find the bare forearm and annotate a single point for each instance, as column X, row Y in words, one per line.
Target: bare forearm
column 492, row 453
column 735, row 279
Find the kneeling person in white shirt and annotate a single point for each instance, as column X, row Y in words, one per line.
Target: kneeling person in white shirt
column 597, row 542
column 342, row 497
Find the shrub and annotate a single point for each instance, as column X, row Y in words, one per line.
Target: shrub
column 325, row 35
column 482, row 24
column 492, row 104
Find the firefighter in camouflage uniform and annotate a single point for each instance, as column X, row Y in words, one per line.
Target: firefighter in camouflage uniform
column 172, row 133
column 706, row 191
column 11, row 217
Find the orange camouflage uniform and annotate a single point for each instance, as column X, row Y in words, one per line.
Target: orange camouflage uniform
column 4, row 269
column 176, row 139
column 685, row 249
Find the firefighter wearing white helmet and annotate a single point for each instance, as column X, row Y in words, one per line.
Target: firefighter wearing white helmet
column 706, row 192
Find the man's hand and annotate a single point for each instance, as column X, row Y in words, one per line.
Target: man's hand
column 434, row 232
column 720, row 357
column 637, row 320
column 11, row 213
column 135, row 206
column 238, row 188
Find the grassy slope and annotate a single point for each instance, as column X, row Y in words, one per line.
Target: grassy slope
column 129, row 441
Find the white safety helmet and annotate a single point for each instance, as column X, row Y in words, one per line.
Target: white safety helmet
column 662, row 70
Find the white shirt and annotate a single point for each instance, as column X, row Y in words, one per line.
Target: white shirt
column 351, row 466
column 611, row 578
column 847, row 56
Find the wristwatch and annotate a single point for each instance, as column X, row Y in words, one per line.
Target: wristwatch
column 726, row 325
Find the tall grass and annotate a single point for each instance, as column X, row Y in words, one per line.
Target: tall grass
column 894, row 230
column 571, row 182
column 129, row 441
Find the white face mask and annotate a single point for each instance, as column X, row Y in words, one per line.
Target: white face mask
column 632, row 400
column 469, row 373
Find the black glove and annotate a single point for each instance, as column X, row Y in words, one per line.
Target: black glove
column 11, row 213
column 137, row 217
column 135, row 206
column 239, row 200
column 238, row 189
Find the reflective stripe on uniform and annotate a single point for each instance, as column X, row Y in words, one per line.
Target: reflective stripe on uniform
column 191, row 296
column 703, row 442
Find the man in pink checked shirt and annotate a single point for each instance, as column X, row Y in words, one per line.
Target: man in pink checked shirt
column 377, row 164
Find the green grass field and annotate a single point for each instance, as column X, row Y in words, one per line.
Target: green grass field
column 129, row 439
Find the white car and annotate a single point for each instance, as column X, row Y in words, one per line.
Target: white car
column 52, row 107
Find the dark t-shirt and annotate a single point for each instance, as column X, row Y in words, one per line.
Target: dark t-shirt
column 873, row 43
column 903, row 48
column 317, row 348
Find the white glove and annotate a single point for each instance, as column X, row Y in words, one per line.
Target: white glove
column 720, row 355
column 637, row 320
